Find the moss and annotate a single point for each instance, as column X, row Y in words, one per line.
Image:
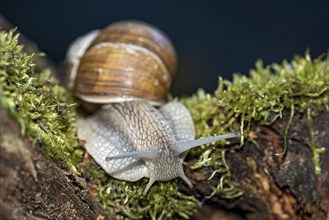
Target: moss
column 126, row 200
column 315, row 149
column 261, row 97
column 44, row 110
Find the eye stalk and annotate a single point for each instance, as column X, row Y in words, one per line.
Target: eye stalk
column 145, row 154
column 187, row 145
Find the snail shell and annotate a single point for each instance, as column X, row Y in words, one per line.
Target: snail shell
column 131, row 64
column 128, row 60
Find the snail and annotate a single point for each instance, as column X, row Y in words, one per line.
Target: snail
column 128, row 67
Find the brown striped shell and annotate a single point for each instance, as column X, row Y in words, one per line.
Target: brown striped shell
column 128, row 60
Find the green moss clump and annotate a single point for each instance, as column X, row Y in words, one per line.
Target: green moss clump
column 126, row 200
column 262, row 97
column 44, row 110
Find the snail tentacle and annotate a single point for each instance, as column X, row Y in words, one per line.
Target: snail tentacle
column 145, row 154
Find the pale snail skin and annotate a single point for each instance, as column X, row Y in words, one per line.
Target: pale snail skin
column 131, row 139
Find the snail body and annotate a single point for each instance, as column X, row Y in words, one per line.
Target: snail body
column 129, row 66
column 138, row 141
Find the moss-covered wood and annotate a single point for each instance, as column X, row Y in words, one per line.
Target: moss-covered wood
column 274, row 187
column 279, row 169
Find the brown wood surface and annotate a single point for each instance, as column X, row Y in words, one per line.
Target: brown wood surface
column 274, row 187
column 35, row 187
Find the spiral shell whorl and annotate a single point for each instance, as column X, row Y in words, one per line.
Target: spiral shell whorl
column 128, row 60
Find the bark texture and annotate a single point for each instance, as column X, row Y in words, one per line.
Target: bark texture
column 274, row 187
column 35, row 187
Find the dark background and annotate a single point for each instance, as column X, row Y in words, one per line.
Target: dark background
column 211, row 38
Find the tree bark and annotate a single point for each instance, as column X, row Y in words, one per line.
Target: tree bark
column 35, row 187
column 274, row 187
